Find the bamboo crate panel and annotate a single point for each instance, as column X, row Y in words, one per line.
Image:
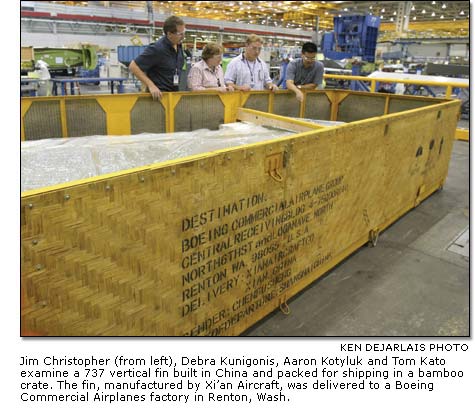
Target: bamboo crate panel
column 79, row 121
column 210, row 244
column 147, row 115
column 317, row 106
column 197, row 112
column 43, row 120
column 287, row 105
column 258, row 102
column 401, row 104
column 355, row 108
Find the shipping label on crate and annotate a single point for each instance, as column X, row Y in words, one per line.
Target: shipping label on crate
column 250, row 252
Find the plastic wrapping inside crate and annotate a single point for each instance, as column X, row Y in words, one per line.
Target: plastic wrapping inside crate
column 53, row 161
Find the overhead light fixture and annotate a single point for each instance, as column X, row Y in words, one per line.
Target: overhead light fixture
column 444, row 6
column 423, row 11
column 413, row 8
column 392, row 20
column 395, row 13
column 383, row 10
column 462, row 12
column 441, row 16
column 433, row 14
column 433, row 2
column 414, row 18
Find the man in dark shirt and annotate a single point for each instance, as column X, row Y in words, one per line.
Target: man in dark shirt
column 159, row 66
column 305, row 72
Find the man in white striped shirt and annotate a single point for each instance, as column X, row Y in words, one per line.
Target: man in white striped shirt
column 246, row 71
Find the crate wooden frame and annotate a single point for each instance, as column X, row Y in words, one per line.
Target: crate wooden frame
column 212, row 243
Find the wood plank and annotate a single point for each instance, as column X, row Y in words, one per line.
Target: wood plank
column 275, row 121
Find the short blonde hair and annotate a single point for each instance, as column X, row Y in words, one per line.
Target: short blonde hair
column 254, row 38
column 210, row 50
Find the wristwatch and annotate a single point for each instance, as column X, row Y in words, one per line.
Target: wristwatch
column 299, row 86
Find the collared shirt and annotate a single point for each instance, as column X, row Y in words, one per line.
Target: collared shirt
column 253, row 73
column 301, row 75
column 202, row 77
column 160, row 62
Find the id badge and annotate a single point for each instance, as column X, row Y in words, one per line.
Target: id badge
column 176, row 80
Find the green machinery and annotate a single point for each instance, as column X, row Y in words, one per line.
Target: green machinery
column 63, row 60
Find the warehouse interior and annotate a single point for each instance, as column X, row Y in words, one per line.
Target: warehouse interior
column 391, row 61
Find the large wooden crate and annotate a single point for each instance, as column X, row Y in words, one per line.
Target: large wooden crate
column 209, row 245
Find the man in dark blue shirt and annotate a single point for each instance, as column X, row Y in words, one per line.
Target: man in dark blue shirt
column 159, row 66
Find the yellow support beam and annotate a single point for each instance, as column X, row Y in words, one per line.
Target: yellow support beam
column 25, row 106
column 64, row 119
column 117, row 109
column 462, row 134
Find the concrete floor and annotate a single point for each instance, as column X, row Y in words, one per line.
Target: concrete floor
column 408, row 285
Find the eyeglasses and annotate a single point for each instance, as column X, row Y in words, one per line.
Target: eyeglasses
column 308, row 58
column 179, row 33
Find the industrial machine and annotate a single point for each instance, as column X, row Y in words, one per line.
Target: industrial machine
column 352, row 36
column 61, row 61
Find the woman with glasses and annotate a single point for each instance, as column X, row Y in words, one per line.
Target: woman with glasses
column 160, row 64
column 305, row 72
column 208, row 73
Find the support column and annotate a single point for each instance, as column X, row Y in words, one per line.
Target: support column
column 402, row 17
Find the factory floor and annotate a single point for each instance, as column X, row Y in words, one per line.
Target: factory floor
column 413, row 283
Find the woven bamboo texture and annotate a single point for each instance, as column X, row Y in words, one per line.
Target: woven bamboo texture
column 209, row 245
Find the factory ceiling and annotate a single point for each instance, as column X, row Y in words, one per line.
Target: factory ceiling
column 426, row 19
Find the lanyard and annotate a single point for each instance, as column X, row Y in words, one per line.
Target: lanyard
column 251, row 71
column 177, row 51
